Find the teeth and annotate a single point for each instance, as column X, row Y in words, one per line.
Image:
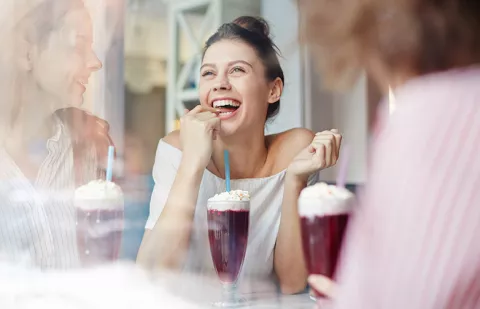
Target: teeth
column 225, row 113
column 221, row 103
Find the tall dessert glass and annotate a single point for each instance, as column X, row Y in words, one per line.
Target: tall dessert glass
column 100, row 222
column 324, row 211
column 228, row 224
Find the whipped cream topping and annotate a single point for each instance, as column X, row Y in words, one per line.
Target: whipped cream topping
column 234, row 195
column 99, row 189
column 99, row 194
column 229, row 205
column 322, row 199
column 233, row 200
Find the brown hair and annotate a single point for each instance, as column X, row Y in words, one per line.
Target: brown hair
column 254, row 31
column 419, row 36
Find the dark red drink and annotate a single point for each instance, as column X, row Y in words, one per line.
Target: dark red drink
column 100, row 222
column 228, row 236
column 322, row 238
column 324, row 212
column 99, row 235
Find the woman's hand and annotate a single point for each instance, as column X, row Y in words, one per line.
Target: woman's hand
column 322, row 153
column 198, row 129
column 323, row 285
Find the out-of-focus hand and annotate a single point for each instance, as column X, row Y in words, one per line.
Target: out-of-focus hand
column 322, row 284
column 322, row 153
column 198, row 129
column 87, row 132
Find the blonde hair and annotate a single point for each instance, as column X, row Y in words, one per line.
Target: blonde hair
column 30, row 22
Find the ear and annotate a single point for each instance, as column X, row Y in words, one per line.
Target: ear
column 24, row 55
column 276, row 90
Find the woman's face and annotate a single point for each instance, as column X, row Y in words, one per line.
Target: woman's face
column 232, row 78
column 62, row 67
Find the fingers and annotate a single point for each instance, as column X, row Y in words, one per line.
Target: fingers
column 200, row 108
column 338, row 141
column 327, row 143
column 197, row 109
column 199, row 113
column 322, row 284
column 213, row 126
column 320, row 154
column 204, row 116
column 211, row 121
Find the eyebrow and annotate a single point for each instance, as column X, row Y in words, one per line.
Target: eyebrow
column 229, row 64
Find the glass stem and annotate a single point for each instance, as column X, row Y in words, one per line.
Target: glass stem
column 228, row 292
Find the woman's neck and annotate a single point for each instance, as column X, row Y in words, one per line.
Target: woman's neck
column 247, row 154
column 29, row 121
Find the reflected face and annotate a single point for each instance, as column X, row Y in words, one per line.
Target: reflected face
column 232, row 78
column 63, row 67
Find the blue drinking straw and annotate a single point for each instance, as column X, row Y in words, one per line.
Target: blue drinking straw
column 227, row 170
column 111, row 151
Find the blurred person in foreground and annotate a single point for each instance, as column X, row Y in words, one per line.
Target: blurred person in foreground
column 413, row 243
column 240, row 88
column 48, row 145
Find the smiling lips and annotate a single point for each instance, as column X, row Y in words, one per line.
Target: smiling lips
column 227, row 107
column 83, row 84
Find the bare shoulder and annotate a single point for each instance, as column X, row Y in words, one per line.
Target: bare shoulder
column 293, row 139
column 173, row 139
column 286, row 145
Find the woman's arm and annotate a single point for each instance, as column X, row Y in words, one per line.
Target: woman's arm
column 289, row 262
column 166, row 244
column 307, row 153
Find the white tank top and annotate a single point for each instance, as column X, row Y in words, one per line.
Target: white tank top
column 265, row 211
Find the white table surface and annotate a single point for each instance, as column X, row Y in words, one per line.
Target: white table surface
column 203, row 291
column 125, row 287
column 300, row 301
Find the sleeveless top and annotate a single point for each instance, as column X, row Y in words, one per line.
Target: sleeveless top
column 266, row 195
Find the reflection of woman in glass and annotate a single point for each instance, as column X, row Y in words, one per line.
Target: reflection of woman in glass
column 48, row 145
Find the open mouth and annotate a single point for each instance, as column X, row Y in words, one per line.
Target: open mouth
column 226, row 107
column 82, row 86
column 82, row 83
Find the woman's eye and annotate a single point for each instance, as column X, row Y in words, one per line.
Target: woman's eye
column 237, row 70
column 206, row 73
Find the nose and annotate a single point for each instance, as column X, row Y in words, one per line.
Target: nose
column 93, row 63
column 222, row 85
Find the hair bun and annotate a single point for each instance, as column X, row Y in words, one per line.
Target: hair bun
column 254, row 24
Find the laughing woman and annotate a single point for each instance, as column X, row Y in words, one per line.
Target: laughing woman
column 240, row 88
column 48, row 145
